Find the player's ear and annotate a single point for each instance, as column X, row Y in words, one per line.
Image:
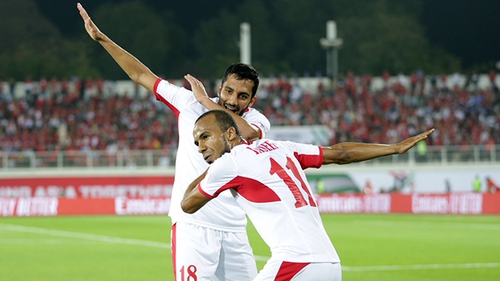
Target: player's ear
column 219, row 89
column 231, row 134
column 253, row 100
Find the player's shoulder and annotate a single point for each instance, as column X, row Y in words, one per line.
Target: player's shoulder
column 252, row 111
column 259, row 146
column 226, row 164
column 291, row 146
column 254, row 116
column 239, row 149
column 165, row 87
column 241, row 153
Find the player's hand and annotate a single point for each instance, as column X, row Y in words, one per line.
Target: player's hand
column 408, row 143
column 197, row 87
column 91, row 28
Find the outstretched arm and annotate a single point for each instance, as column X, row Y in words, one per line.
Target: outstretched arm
column 247, row 130
column 137, row 71
column 349, row 152
column 193, row 199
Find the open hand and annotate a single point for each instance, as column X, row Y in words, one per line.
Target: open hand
column 197, row 87
column 91, row 28
column 408, row 143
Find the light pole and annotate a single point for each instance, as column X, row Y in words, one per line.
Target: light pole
column 331, row 43
column 245, row 43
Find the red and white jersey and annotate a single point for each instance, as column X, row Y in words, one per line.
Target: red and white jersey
column 267, row 179
column 222, row 214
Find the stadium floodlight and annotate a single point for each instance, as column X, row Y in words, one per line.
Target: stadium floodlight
column 245, row 43
column 331, row 43
column 326, row 43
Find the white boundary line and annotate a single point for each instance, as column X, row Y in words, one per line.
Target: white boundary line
column 93, row 237
column 117, row 240
column 77, row 235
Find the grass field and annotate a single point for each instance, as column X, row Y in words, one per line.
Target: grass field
column 372, row 247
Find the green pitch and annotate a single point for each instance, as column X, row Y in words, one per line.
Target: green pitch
column 372, row 247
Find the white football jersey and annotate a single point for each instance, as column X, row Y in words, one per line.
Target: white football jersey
column 267, row 179
column 224, row 213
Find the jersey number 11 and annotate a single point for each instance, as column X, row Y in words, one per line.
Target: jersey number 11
column 280, row 171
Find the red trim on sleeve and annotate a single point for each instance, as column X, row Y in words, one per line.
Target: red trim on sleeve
column 160, row 98
column 155, row 87
column 260, row 130
column 206, row 194
column 310, row 160
column 321, row 156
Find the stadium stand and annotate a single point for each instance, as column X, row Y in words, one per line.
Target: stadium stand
column 51, row 115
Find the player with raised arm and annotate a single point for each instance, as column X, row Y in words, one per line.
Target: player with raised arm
column 211, row 244
column 267, row 179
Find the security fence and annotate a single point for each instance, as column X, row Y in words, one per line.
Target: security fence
column 435, row 155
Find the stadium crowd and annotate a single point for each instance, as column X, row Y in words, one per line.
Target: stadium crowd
column 76, row 114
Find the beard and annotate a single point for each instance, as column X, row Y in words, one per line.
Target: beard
column 233, row 108
column 227, row 146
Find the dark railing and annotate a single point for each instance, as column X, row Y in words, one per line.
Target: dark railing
column 436, row 155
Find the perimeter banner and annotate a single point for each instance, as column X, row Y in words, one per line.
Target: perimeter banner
column 453, row 203
column 88, row 187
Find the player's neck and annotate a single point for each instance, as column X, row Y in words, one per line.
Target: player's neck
column 238, row 141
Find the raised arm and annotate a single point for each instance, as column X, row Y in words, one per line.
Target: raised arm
column 349, row 152
column 247, row 130
column 137, row 71
column 193, row 199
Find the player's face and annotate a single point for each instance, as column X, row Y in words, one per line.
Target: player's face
column 211, row 142
column 236, row 95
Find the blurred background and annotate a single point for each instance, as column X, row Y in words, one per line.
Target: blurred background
column 47, row 38
column 79, row 140
column 388, row 70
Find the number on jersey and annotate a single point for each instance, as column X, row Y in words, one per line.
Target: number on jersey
column 300, row 201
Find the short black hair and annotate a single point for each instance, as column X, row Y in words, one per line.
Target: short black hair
column 223, row 119
column 243, row 71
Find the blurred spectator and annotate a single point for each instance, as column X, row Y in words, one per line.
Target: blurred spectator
column 87, row 114
column 476, row 184
column 491, row 186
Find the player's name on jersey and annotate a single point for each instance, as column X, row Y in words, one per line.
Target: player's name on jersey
column 263, row 147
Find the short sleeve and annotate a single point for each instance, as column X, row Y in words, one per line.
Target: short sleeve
column 173, row 96
column 221, row 176
column 308, row 155
column 258, row 119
